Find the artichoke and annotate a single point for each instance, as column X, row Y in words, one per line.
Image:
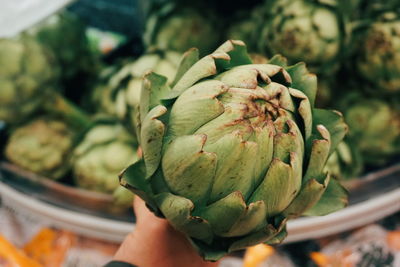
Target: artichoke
column 28, row 80
column 178, row 29
column 232, row 149
column 258, row 58
column 42, row 146
column 326, row 87
column 101, row 155
column 25, row 77
column 378, row 53
column 303, row 30
column 242, row 30
column 65, row 36
column 122, row 199
column 118, row 94
column 245, row 27
column 374, row 128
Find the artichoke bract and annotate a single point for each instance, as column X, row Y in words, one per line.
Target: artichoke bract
column 118, row 94
column 374, row 128
column 258, row 58
column 302, row 30
column 25, row 77
column 103, row 153
column 378, row 53
column 345, row 163
column 232, row 150
column 42, row 146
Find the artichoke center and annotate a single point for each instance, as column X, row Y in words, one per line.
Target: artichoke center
column 235, row 119
column 244, row 111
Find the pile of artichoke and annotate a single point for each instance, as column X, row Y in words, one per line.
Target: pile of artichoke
column 351, row 45
column 48, row 134
column 227, row 142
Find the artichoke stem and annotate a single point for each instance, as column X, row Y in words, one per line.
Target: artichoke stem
column 60, row 106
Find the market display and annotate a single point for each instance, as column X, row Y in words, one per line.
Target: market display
column 232, row 118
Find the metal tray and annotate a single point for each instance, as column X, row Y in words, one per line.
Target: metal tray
column 372, row 197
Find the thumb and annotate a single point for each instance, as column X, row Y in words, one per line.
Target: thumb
column 142, row 213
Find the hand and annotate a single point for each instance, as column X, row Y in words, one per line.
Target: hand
column 155, row 243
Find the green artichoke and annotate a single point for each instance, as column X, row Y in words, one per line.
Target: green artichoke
column 101, row 155
column 245, row 27
column 171, row 28
column 25, row 77
column 326, row 87
column 242, row 30
column 374, row 128
column 28, row 83
column 345, row 163
column 42, row 146
column 65, row 36
column 232, row 149
column 123, row 199
column 118, row 94
column 378, row 53
column 303, row 30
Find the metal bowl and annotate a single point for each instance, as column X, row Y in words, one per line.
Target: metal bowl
column 372, row 197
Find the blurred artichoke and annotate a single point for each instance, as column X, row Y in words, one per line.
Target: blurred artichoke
column 345, row 163
column 245, row 27
column 171, row 28
column 26, row 75
column 224, row 149
column 101, row 155
column 326, row 89
column 378, row 53
column 374, row 128
column 123, row 199
column 242, row 30
column 118, row 94
column 303, row 30
column 42, row 146
column 28, row 83
column 65, row 35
